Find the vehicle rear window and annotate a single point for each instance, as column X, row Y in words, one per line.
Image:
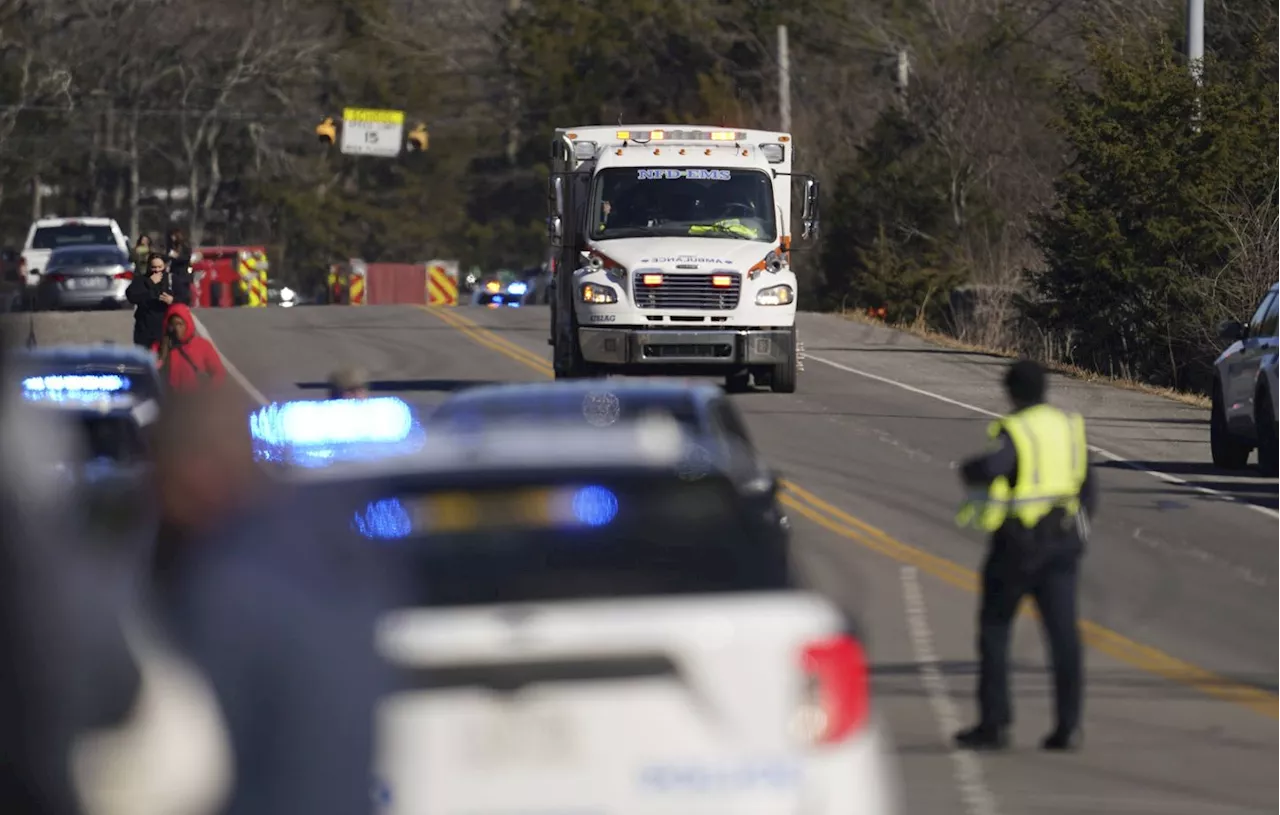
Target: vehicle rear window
column 88, row 257
column 53, row 237
column 600, row 409
column 562, row 540
column 115, row 438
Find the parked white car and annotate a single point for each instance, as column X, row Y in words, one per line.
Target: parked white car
column 48, row 234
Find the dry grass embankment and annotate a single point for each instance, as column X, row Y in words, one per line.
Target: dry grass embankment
column 921, row 331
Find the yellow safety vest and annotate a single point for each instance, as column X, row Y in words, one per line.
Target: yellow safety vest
column 1053, row 460
column 731, row 225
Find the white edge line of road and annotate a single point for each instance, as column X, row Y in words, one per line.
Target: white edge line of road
column 241, row 379
column 1107, row 454
column 965, row 766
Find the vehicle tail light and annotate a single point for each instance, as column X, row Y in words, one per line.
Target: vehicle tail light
column 838, row 691
column 124, row 275
column 58, row 277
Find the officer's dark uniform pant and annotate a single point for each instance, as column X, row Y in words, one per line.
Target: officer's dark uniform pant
column 1050, row 576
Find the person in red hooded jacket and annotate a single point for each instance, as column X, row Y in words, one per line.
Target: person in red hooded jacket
column 186, row 360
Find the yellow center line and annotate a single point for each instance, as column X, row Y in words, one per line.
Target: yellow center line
column 842, row 524
column 492, row 341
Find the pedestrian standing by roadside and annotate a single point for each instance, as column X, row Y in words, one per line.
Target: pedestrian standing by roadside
column 1034, row 492
column 186, row 359
column 141, row 251
column 148, row 293
column 179, row 254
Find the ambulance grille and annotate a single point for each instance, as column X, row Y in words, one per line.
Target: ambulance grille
column 688, row 291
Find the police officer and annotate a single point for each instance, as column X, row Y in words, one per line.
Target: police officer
column 1034, row 492
column 348, row 383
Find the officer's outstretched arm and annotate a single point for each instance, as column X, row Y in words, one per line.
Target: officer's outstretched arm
column 1002, row 460
column 1089, row 492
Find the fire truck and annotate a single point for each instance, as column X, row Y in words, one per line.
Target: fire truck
column 229, row 276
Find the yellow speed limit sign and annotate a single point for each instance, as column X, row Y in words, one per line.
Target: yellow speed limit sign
column 371, row 132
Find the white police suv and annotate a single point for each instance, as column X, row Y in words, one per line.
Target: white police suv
column 591, row 624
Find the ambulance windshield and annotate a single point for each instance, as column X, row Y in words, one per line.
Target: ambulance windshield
column 647, row 202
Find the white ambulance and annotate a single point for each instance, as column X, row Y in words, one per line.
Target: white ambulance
column 672, row 253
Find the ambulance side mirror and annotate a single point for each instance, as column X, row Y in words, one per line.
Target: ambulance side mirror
column 810, row 215
column 555, row 222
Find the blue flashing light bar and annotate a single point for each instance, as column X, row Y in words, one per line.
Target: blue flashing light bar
column 74, row 389
column 313, row 423
column 595, row 506
column 384, row 520
column 77, row 383
column 391, row 519
column 518, row 287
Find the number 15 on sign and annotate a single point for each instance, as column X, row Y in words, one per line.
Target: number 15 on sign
column 368, row 132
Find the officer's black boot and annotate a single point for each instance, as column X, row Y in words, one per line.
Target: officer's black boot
column 983, row 737
column 1062, row 740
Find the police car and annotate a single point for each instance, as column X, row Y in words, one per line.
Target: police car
column 503, row 288
column 702, row 408
column 105, row 396
column 590, row 624
column 111, row 392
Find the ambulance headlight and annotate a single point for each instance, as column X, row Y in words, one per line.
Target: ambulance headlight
column 775, row 296
column 598, row 294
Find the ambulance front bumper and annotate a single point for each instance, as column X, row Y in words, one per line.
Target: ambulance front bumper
column 745, row 346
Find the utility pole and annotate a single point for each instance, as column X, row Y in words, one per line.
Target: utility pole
column 902, row 76
column 784, row 79
column 1195, row 39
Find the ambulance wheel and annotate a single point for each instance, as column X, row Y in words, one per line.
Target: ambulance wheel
column 738, row 382
column 784, row 373
column 575, row 367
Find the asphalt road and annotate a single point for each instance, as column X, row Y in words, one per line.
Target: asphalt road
column 1179, row 587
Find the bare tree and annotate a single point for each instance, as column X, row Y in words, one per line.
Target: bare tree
column 274, row 43
column 28, row 52
column 1233, row 291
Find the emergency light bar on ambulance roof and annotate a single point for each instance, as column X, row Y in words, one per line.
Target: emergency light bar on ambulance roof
column 681, row 135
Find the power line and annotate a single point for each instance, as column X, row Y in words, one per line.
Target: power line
column 195, row 113
column 237, row 115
